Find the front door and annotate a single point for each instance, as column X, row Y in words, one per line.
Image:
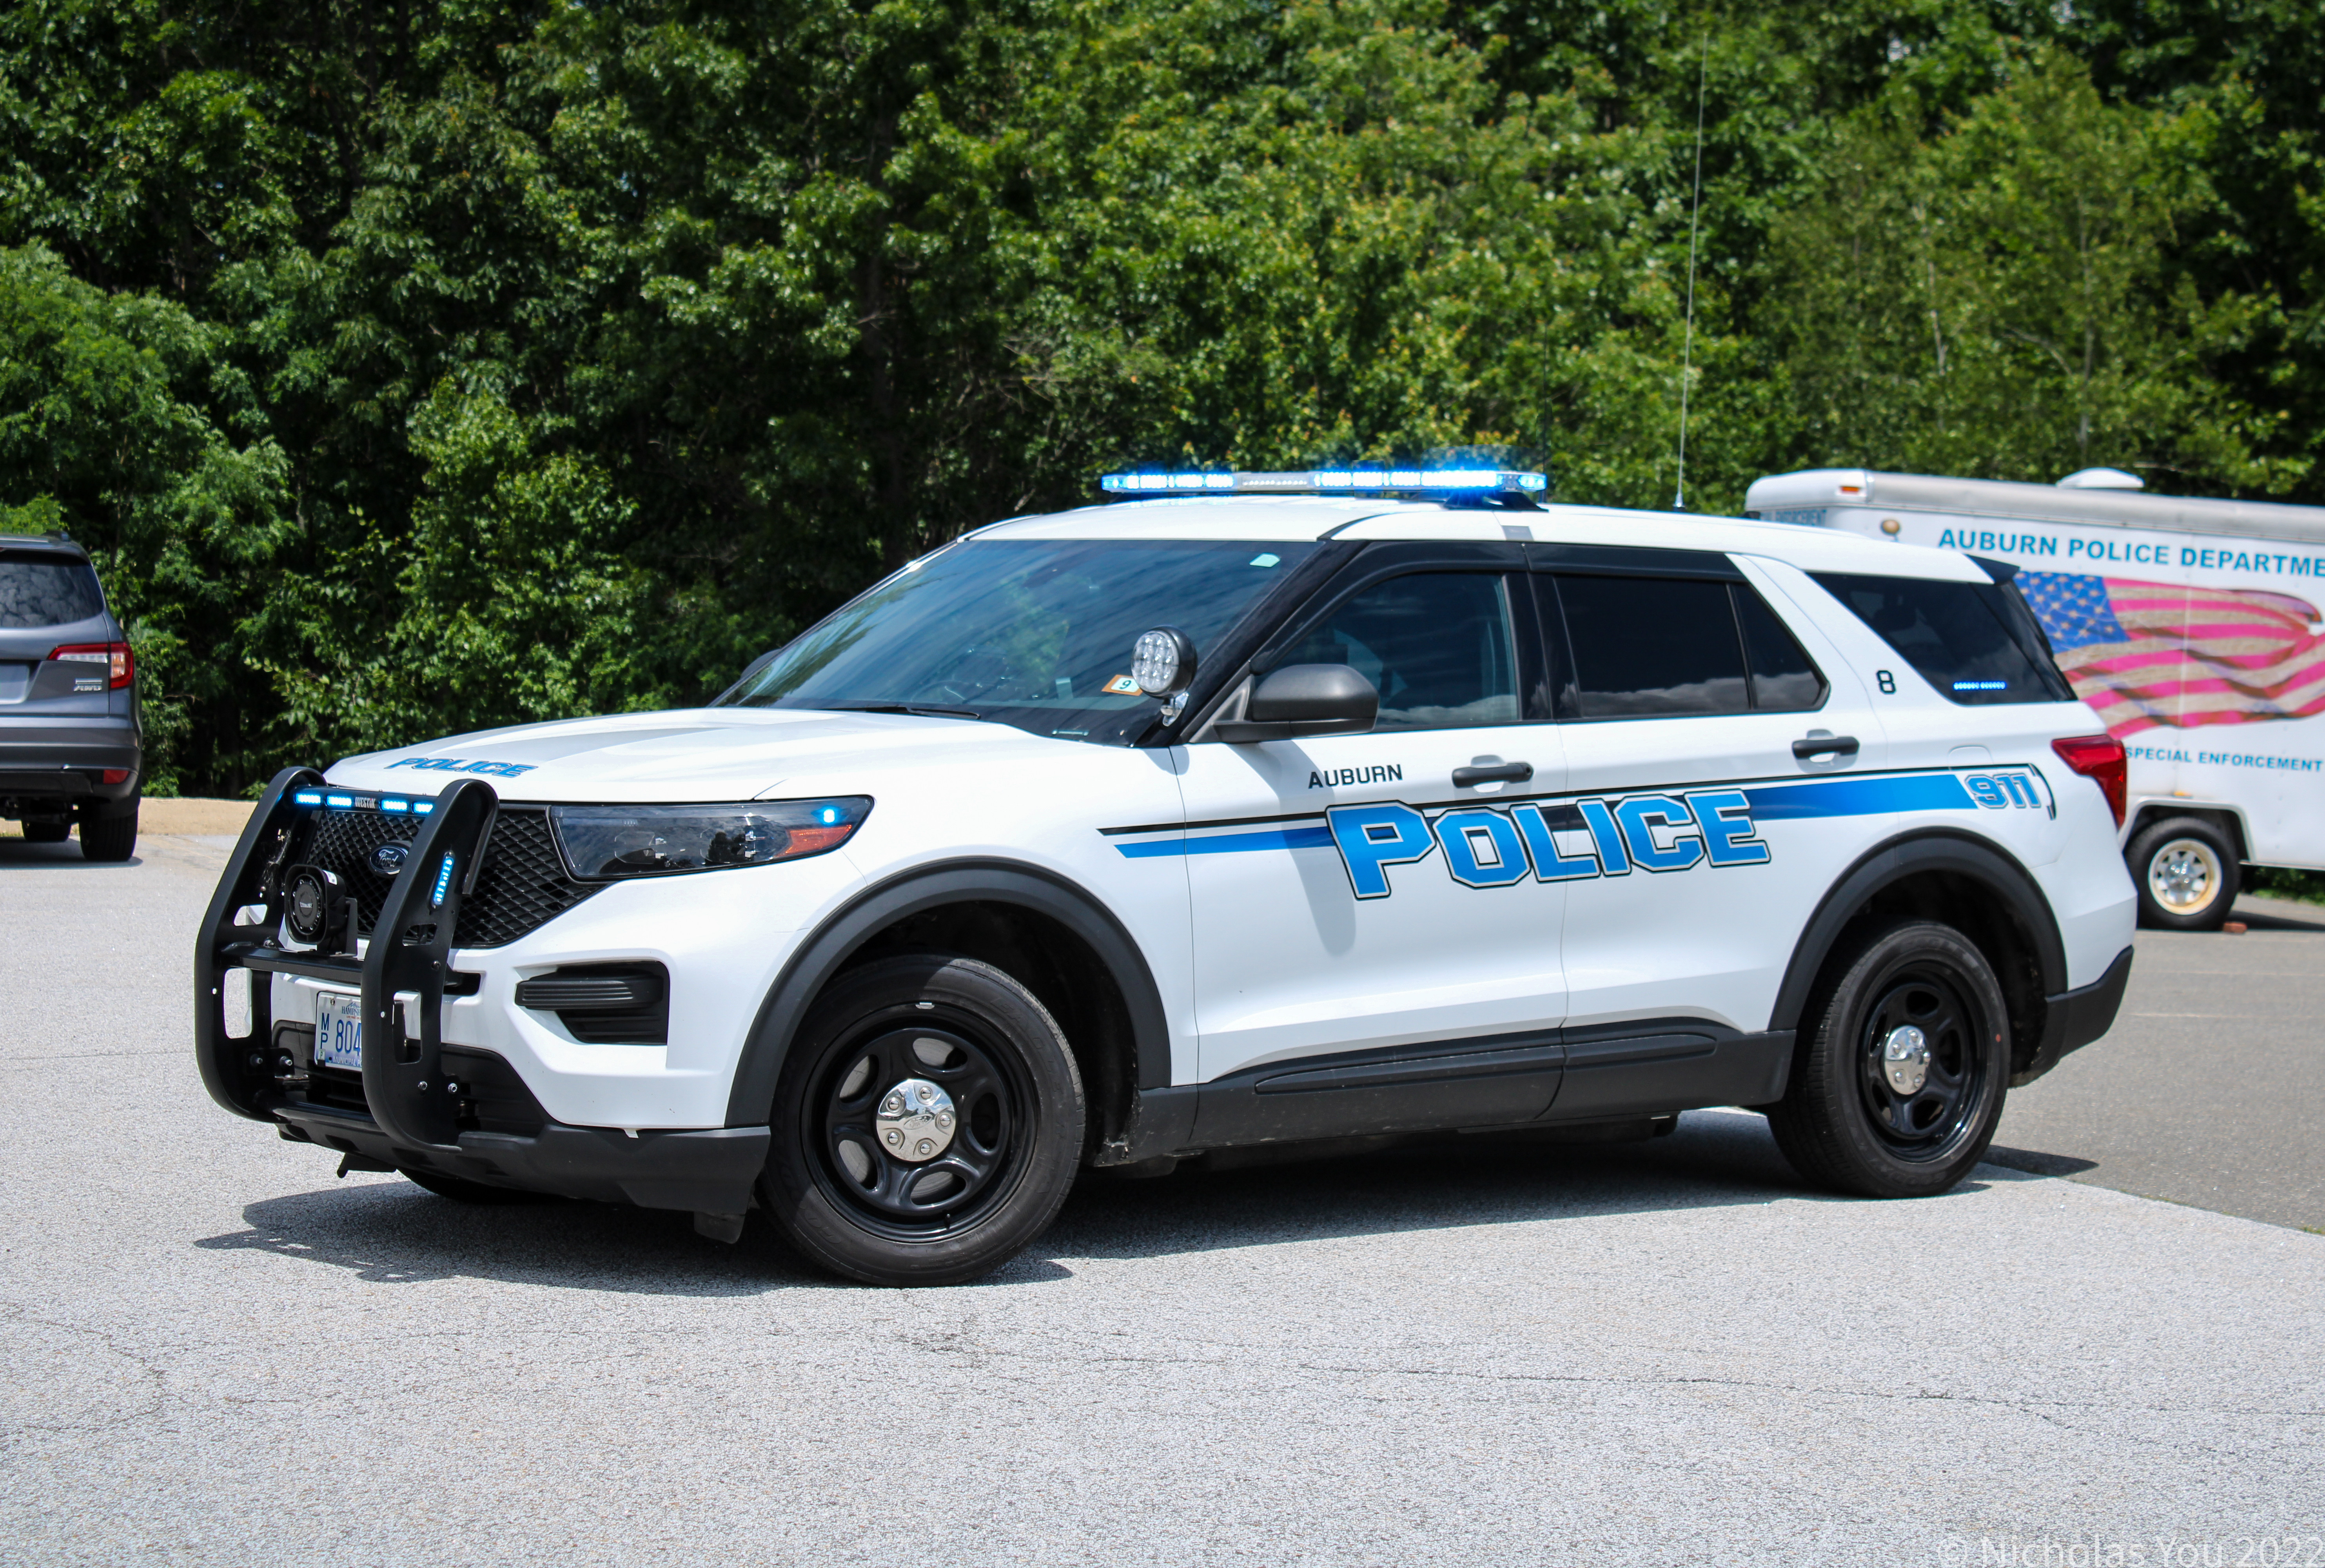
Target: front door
column 1371, row 948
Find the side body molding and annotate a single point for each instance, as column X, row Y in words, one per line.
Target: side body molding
column 751, row 1102
column 1956, row 854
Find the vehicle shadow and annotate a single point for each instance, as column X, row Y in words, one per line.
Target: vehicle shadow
column 1716, row 1159
column 2279, row 916
column 391, row 1231
column 67, row 856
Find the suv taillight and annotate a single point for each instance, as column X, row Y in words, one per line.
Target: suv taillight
column 2100, row 758
column 120, row 665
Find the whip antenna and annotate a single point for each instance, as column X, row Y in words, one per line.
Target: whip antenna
column 1695, row 215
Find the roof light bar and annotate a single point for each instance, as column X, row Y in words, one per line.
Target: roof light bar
column 1350, row 481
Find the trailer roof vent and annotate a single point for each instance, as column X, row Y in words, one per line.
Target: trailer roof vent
column 2102, row 479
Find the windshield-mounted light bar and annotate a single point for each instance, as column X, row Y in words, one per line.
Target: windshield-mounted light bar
column 1349, row 481
column 357, row 802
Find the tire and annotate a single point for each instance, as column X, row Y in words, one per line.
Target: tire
column 1846, row 1122
column 2187, row 875
column 953, row 1186
column 47, row 832
column 109, row 837
column 461, row 1190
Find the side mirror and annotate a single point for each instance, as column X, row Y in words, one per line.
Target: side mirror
column 1304, row 699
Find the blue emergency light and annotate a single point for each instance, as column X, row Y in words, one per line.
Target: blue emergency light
column 1349, row 481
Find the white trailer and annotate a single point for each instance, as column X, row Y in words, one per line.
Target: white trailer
column 2191, row 625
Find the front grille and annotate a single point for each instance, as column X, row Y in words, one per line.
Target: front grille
column 523, row 884
column 341, row 841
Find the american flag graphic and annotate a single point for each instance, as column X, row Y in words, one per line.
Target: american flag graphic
column 2151, row 654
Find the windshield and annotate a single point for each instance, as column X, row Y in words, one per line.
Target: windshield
column 1033, row 633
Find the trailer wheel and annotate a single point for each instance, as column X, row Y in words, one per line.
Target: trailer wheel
column 2186, row 873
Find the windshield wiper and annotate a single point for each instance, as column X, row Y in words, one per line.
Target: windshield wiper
column 900, row 708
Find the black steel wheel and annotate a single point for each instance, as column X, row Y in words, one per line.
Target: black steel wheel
column 928, row 1123
column 1898, row 1081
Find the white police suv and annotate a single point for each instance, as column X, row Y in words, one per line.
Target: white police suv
column 1246, row 810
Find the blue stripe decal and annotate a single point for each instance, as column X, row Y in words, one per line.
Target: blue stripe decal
column 1231, row 843
column 1860, row 797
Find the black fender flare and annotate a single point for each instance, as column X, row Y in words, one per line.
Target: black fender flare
column 751, row 1101
column 1891, row 862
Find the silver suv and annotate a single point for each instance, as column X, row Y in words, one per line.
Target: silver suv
column 70, row 745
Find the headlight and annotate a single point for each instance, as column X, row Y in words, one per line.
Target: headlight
column 607, row 841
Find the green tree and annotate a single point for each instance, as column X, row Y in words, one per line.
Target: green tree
column 110, row 411
column 2000, row 301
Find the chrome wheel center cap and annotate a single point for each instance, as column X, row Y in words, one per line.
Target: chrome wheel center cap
column 1906, row 1059
column 916, row 1121
column 2181, row 874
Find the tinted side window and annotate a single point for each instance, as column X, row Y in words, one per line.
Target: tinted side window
column 1783, row 678
column 46, row 591
column 1651, row 647
column 1436, row 644
column 1955, row 634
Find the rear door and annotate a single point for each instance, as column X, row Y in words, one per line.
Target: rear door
column 1720, row 764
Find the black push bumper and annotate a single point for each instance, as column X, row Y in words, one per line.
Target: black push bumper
column 411, row 1110
column 2073, row 1019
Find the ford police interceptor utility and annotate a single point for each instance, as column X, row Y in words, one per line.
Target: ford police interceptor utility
column 1382, row 804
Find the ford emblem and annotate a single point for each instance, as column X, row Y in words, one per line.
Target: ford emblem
column 388, row 858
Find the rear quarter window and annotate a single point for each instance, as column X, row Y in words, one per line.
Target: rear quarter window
column 1963, row 637
column 46, row 591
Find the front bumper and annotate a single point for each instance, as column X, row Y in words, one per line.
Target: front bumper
column 708, row 1171
column 532, row 1111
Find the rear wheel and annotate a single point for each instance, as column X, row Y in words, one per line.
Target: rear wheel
column 48, row 832
column 2187, row 875
column 1899, row 1080
column 111, row 837
column 928, row 1123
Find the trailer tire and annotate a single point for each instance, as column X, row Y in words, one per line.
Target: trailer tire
column 2187, row 875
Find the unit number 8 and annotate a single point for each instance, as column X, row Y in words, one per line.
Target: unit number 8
column 1888, row 682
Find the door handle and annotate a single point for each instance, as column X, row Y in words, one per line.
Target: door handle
column 1499, row 773
column 1825, row 746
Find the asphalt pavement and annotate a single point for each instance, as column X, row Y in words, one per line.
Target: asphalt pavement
column 2207, row 1091
column 211, row 1351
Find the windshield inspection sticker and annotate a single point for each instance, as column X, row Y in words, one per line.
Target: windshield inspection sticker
column 1572, row 839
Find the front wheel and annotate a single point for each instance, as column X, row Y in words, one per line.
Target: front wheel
column 1898, row 1083
column 2186, row 873
column 928, row 1123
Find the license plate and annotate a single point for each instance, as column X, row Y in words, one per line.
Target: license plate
column 338, row 1031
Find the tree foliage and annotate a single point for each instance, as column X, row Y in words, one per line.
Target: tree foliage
column 422, row 368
